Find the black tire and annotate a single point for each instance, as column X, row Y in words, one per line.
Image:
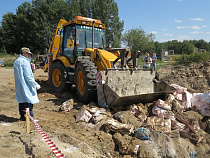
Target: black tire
column 86, row 74
column 57, row 77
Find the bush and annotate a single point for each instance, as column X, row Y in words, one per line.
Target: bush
column 9, row 62
column 194, row 57
column 3, row 52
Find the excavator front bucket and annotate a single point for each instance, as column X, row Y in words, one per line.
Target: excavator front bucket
column 127, row 86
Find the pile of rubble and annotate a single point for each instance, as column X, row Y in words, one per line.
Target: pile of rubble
column 195, row 76
column 155, row 129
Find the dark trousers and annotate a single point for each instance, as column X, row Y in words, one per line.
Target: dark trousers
column 23, row 106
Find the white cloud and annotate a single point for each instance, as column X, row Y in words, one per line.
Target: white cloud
column 195, row 27
column 166, row 34
column 195, row 32
column 178, row 21
column 208, row 32
column 204, row 26
column 197, row 19
column 181, row 27
column 154, row 32
column 183, row 37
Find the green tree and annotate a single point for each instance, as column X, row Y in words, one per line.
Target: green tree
column 46, row 15
column 159, row 47
column 85, row 8
column 74, row 9
column 138, row 40
column 33, row 23
column 150, row 46
column 187, row 47
column 107, row 12
column 174, row 45
column 8, row 31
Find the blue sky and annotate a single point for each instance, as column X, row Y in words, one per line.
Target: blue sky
column 167, row 19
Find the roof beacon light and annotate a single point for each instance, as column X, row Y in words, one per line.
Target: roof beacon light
column 87, row 19
column 84, row 22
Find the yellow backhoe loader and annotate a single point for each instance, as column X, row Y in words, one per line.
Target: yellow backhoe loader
column 78, row 55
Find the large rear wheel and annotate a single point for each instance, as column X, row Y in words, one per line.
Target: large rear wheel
column 57, row 77
column 86, row 81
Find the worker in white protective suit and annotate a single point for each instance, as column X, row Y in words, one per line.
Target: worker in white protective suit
column 25, row 85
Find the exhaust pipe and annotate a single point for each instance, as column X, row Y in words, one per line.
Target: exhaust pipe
column 93, row 34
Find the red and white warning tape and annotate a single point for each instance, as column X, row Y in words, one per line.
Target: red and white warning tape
column 55, row 149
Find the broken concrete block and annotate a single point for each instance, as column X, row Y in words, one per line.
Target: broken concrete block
column 162, row 113
column 158, row 111
column 158, row 124
column 98, row 114
column 201, row 101
column 83, row 115
column 67, row 105
column 169, row 98
column 97, row 117
column 160, row 103
column 183, row 96
column 139, row 111
column 115, row 126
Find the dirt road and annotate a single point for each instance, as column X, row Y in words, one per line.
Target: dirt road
column 76, row 140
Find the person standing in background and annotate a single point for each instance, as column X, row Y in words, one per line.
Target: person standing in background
column 154, row 59
column 147, row 61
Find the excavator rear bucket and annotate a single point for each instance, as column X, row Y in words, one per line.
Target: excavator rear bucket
column 125, row 87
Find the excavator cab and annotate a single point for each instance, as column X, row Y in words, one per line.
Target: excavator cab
column 75, row 38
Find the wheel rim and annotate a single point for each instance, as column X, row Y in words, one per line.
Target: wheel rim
column 56, row 78
column 81, row 83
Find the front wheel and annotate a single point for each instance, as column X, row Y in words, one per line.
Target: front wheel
column 57, row 77
column 86, row 81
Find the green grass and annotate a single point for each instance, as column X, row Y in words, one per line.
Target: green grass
column 8, row 59
column 9, row 62
column 161, row 63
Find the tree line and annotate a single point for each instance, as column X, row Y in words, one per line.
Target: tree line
column 33, row 24
column 185, row 47
column 138, row 40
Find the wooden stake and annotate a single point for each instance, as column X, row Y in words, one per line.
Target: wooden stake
column 27, row 121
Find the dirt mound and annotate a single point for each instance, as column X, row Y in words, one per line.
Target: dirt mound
column 195, row 76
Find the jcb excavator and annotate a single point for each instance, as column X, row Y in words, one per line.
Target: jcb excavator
column 78, row 55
